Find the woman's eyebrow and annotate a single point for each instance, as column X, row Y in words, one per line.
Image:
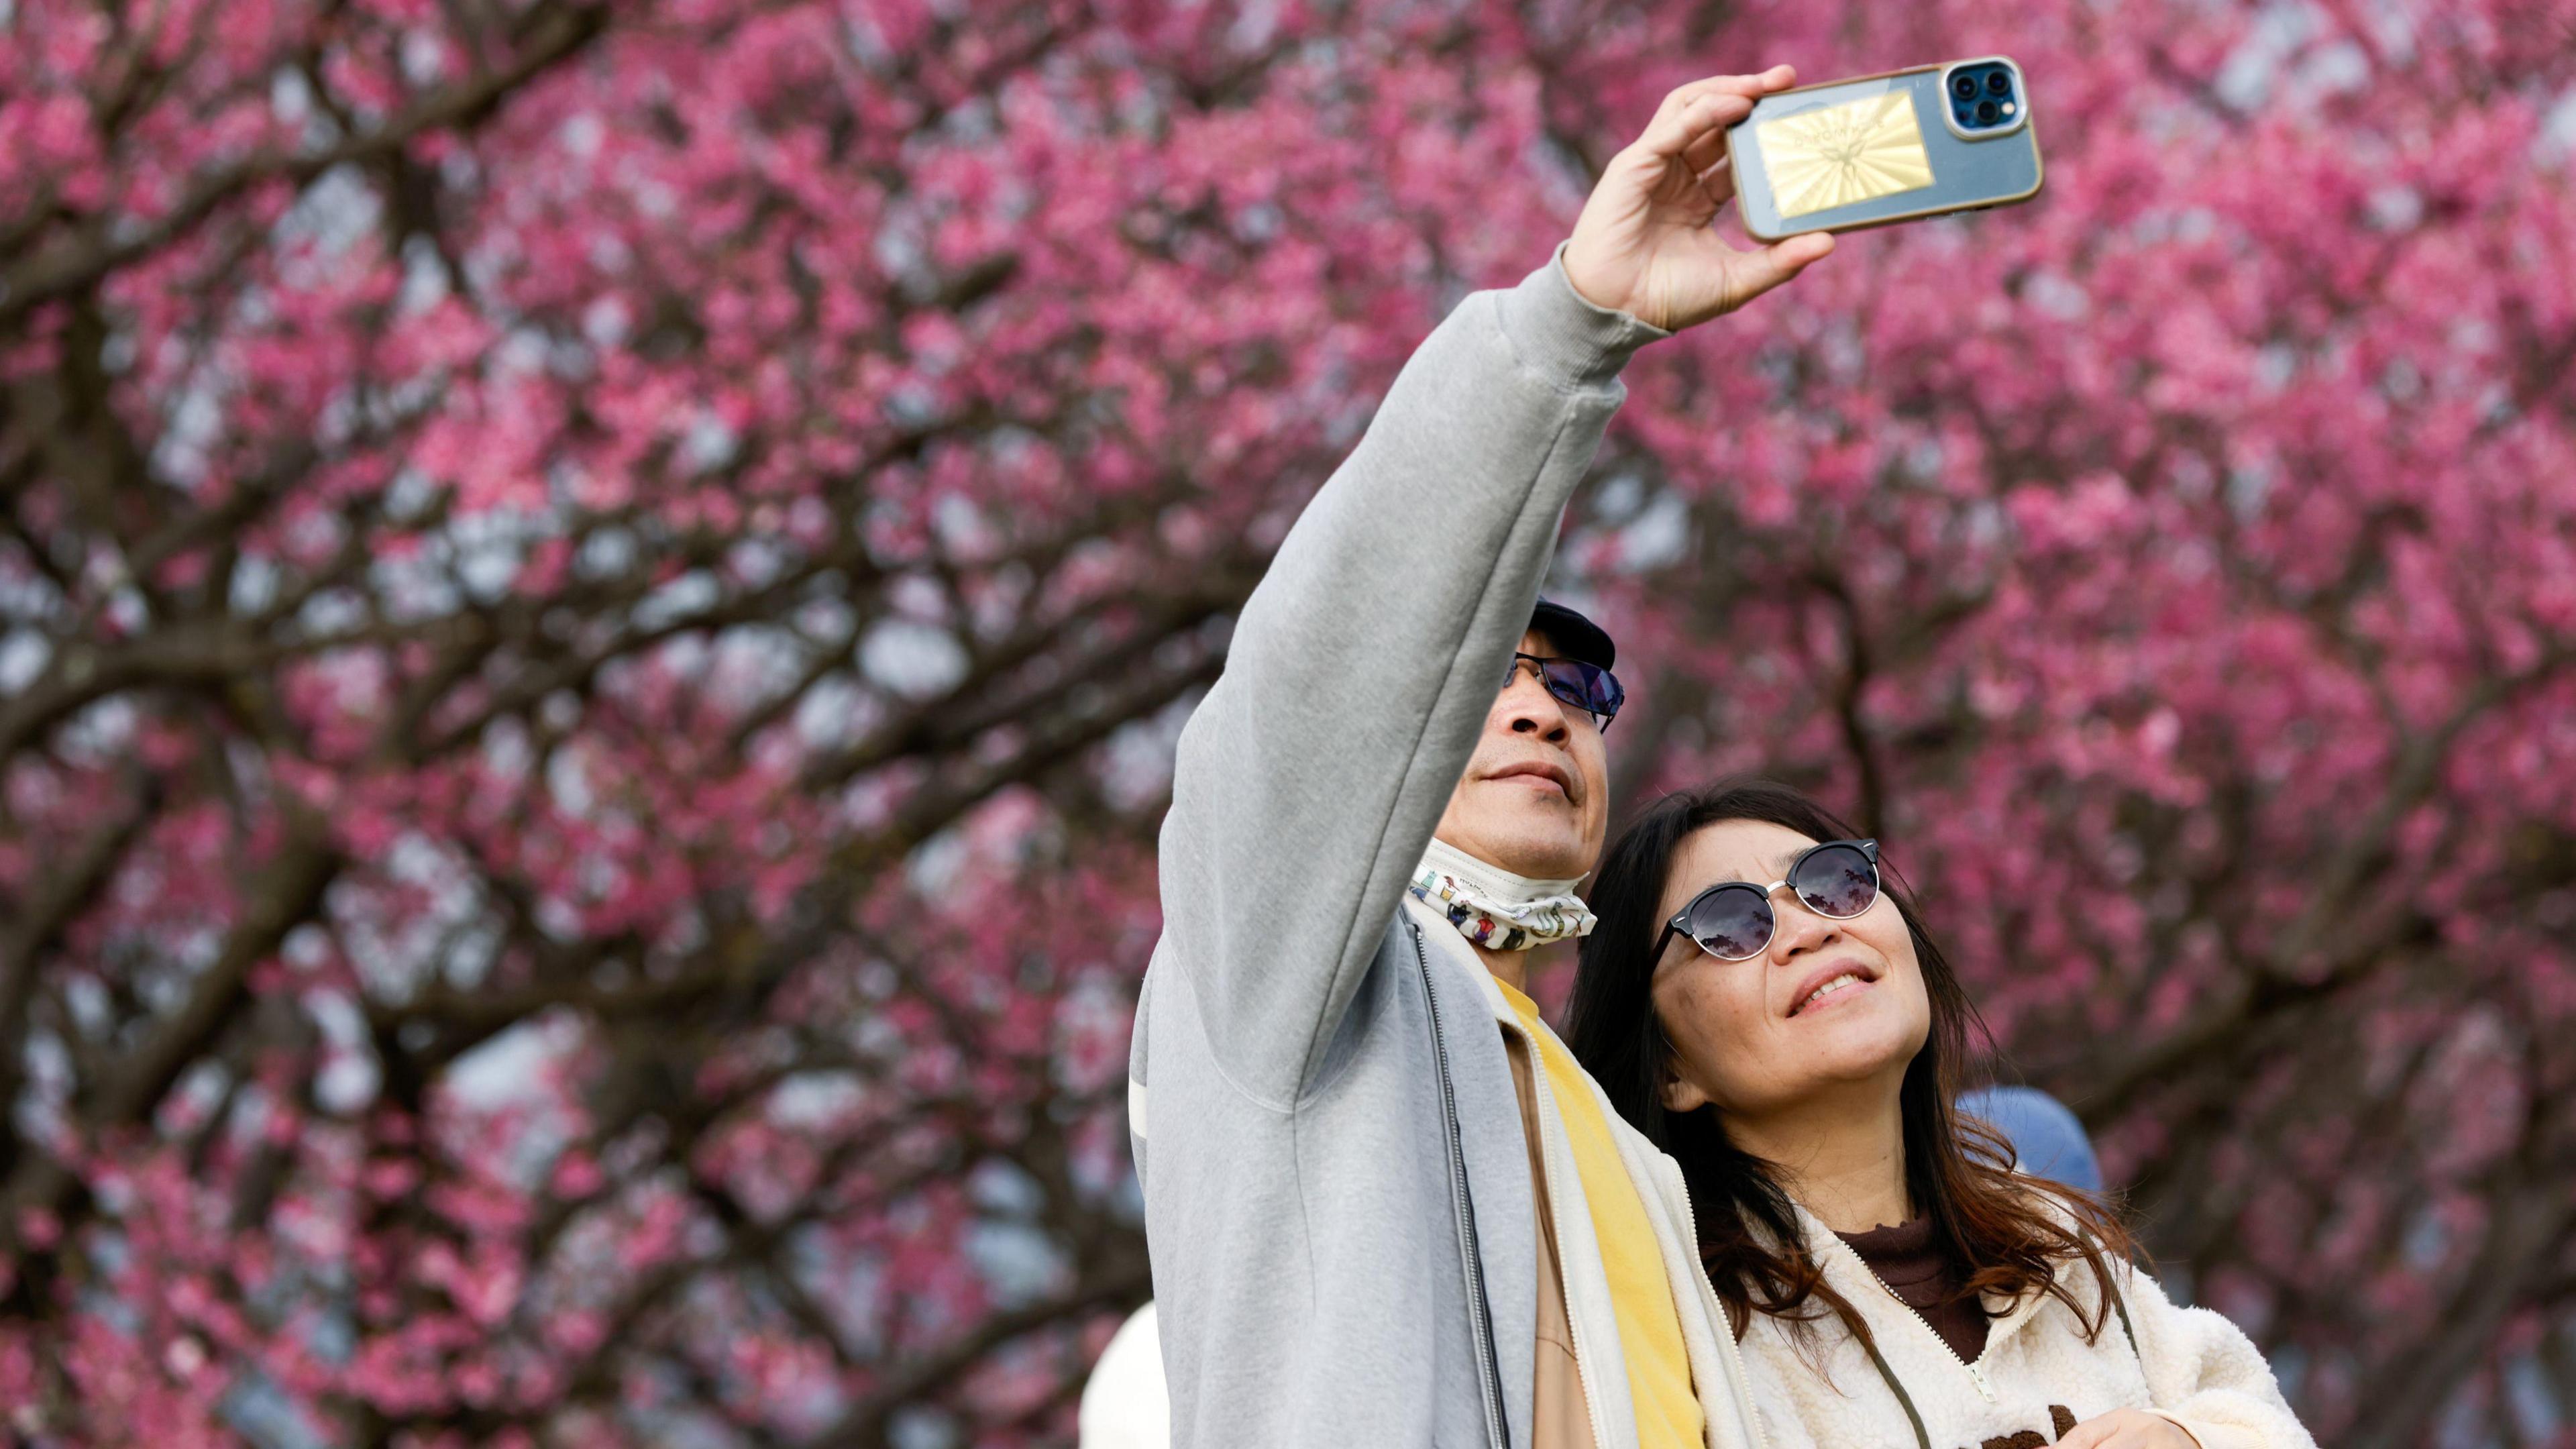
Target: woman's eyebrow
column 1779, row 870
column 1777, row 867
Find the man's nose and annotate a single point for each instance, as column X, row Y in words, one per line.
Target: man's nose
column 1530, row 710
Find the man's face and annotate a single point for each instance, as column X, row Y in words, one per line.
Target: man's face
column 1534, row 799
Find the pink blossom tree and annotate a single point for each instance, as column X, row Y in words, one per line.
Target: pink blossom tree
column 595, row 597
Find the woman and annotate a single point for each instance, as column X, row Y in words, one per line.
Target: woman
column 1893, row 1282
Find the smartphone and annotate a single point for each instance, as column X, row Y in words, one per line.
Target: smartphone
column 1876, row 149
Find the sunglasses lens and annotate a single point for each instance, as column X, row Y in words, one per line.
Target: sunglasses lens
column 1587, row 687
column 1607, row 696
column 1562, row 682
column 1731, row 923
column 1836, row 881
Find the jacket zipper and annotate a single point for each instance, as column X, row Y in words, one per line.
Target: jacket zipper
column 1975, row 1374
column 1489, row 1373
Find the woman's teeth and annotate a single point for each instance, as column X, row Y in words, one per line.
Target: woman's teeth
column 1848, row 978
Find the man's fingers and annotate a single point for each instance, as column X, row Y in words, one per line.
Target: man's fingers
column 1751, row 87
column 1718, row 182
column 2087, row 1435
column 1686, row 113
column 1705, row 150
column 1688, row 119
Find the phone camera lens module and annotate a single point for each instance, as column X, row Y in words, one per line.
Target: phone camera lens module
column 1987, row 111
column 1964, row 86
column 1999, row 83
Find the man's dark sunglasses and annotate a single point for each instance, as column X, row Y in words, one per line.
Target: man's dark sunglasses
column 1733, row 920
column 1588, row 687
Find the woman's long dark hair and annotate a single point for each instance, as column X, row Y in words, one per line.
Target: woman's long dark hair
column 1996, row 1226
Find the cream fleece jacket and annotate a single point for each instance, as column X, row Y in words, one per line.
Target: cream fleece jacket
column 2037, row 1377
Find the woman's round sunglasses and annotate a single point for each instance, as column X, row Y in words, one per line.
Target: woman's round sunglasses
column 1588, row 687
column 1733, row 920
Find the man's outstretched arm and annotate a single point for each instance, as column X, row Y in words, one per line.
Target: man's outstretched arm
column 1362, row 667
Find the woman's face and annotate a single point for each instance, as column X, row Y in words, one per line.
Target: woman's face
column 1827, row 1006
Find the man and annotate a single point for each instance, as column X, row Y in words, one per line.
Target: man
column 1383, row 1204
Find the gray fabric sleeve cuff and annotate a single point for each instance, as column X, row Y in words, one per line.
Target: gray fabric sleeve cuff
column 1562, row 335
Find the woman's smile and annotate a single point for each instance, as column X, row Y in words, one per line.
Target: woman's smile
column 1832, row 994
column 1829, row 984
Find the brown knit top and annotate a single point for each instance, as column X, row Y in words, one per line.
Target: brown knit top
column 1905, row 1258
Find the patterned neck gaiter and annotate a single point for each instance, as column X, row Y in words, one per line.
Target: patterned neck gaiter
column 1495, row 908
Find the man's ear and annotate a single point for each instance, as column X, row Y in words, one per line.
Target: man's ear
column 1681, row 1097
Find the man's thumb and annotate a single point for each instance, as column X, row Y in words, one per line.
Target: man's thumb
column 1761, row 271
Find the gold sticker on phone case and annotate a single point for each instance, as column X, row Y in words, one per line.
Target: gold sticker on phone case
column 1836, row 155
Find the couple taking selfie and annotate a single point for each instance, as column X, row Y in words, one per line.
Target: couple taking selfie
column 1734, row 1205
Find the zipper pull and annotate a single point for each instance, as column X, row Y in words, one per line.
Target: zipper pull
column 1983, row 1387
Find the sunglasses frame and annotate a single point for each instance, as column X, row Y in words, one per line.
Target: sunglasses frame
column 1600, row 719
column 1675, row 926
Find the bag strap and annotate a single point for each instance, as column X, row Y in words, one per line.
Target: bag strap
column 1922, row 1436
column 2128, row 1330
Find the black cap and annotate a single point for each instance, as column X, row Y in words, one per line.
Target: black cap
column 1574, row 636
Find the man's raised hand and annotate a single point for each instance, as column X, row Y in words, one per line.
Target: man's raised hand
column 1644, row 245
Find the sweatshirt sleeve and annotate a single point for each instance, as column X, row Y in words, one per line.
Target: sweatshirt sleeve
column 1363, row 665
column 2207, row 1376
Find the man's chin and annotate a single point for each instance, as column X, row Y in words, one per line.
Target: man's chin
column 1538, row 855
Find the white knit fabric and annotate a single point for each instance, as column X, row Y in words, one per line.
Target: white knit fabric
column 1127, row 1404
column 2189, row 1364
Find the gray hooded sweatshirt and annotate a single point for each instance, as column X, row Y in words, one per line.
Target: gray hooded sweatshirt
column 1337, row 1185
